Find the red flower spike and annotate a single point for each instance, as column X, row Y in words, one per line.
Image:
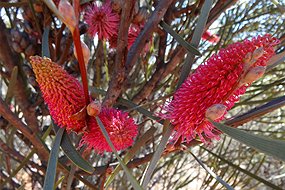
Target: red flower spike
column 212, row 38
column 133, row 33
column 102, row 21
column 121, row 129
column 217, row 81
column 63, row 93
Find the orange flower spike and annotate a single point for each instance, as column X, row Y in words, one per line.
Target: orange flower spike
column 62, row 92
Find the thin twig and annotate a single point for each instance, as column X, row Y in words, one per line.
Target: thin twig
column 118, row 76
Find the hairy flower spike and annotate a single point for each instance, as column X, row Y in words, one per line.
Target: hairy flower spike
column 63, row 93
column 217, row 81
column 102, row 21
column 121, row 129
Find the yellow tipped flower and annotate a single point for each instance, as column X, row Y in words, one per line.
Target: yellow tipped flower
column 63, row 93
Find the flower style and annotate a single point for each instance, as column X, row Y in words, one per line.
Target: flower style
column 102, row 21
column 217, row 82
column 121, row 129
column 63, row 93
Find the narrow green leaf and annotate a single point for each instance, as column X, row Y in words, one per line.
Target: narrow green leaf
column 58, row 182
column 179, row 39
column 70, row 151
column 131, row 153
column 257, row 112
column 156, row 156
column 244, row 171
column 266, row 145
column 45, row 44
column 130, row 177
column 12, row 84
column 199, row 29
column 211, row 172
column 52, row 161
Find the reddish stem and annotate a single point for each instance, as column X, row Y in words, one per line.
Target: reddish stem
column 78, row 49
column 77, row 43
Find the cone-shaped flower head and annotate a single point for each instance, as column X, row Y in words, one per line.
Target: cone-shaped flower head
column 217, row 81
column 121, row 129
column 63, row 93
column 102, row 21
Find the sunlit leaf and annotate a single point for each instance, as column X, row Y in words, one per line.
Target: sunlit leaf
column 73, row 155
column 131, row 178
column 266, row 145
column 52, row 161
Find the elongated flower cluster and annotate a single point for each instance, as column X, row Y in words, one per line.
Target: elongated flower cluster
column 120, row 127
column 64, row 96
column 102, row 21
column 63, row 93
column 216, row 83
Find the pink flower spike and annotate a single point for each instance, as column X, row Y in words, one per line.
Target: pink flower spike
column 121, row 129
column 212, row 38
column 134, row 31
column 217, row 81
column 102, row 21
column 63, row 93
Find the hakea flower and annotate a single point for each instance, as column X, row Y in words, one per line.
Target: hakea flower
column 121, row 129
column 63, row 93
column 212, row 38
column 217, row 83
column 133, row 33
column 102, row 21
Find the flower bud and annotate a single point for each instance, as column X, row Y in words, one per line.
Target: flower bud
column 247, row 58
column 86, row 52
column 258, row 53
column 254, row 74
column 68, row 14
column 94, row 108
column 215, row 111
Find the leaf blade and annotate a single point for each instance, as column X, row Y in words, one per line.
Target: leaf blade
column 52, row 162
column 191, row 48
column 131, row 153
column 269, row 146
column 72, row 154
column 131, row 178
